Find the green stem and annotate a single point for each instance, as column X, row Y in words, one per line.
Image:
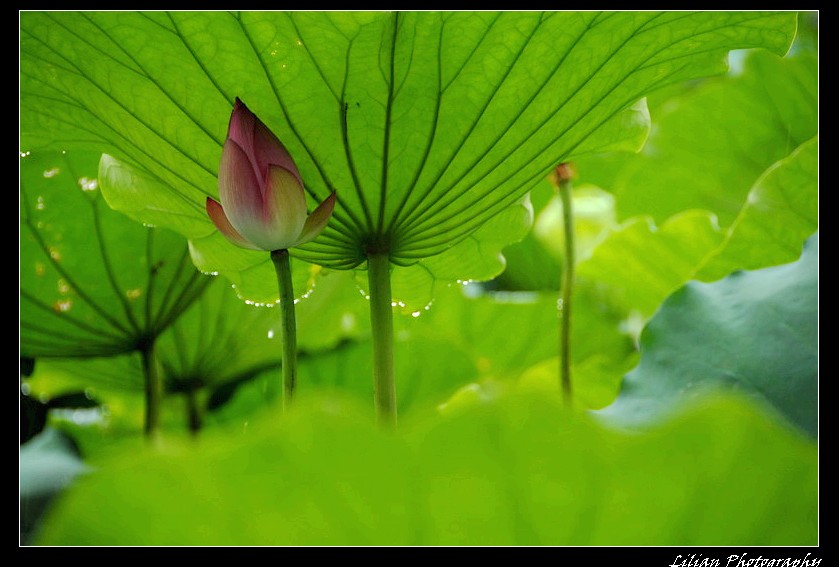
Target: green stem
column 567, row 289
column 381, row 320
column 193, row 410
column 288, row 324
column 153, row 389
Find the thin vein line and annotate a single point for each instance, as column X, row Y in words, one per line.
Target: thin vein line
column 48, row 338
column 86, row 351
column 152, row 276
column 181, row 345
column 335, row 236
column 192, row 291
column 431, row 137
column 351, row 164
column 70, row 280
column 172, row 284
column 660, row 21
column 149, row 77
column 463, row 228
column 158, row 24
column 64, row 317
column 471, row 54
column 198, row 61
column 126, row 152
column 407, row 73
column 343, row 262
column 128, row 111
column 450, row 160
column 221, row 329
column 229, row 345
column 415, row 221
column 203, row 365
column 386, row 140
column 170, row 300
column 344, row 122
column 314, row 62
column 174, row 281
column 420, row 228
column 109, row 269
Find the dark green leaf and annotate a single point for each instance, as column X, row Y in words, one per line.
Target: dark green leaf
column 753, row 332
column 93, row 282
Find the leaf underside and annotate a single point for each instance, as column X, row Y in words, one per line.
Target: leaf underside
column 92, row 281
column 426, row 124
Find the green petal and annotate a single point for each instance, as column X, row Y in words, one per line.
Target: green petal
column 317, row 221
column 284, row 209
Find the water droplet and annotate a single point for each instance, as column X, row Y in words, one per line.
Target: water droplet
column 259, row 304
column 299, row 43
column 306, row 295
column 52, row 172
column 62, row 305
column 88, row 393
column 55, row 254
column 416, row 314
column 25, row 388
column 88, row 184
column 63, row 287
column 270, row 333
column 24, row 154
column 133, row 294
column 39, row 203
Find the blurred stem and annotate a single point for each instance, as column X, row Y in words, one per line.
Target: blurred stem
column 288, row 325
column 193, row 410
column 153, row 388
column 381, row 319
column 565, row 191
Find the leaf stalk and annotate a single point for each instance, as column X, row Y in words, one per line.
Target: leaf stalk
column 568, row 274
column 381, row 319
column 288, row 327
